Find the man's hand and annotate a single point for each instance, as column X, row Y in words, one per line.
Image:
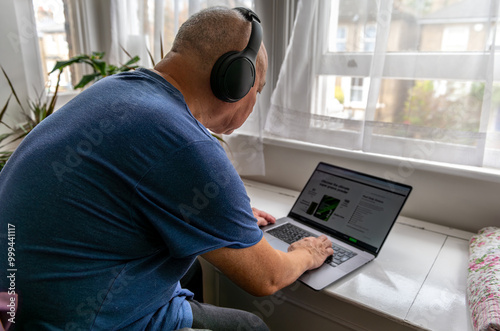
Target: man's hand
column 262, row 217
column 319, row 248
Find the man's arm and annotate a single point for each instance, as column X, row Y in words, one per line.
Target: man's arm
column 262, row 270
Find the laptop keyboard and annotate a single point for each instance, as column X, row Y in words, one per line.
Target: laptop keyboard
column 290, row 233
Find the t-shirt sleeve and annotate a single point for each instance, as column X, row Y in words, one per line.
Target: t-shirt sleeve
column 197, row 202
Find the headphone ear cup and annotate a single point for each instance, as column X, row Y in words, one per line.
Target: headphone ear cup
column 232, row 77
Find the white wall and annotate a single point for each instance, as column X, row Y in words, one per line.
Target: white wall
column 457, row 198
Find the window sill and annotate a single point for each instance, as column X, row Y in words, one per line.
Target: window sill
column 485, row 174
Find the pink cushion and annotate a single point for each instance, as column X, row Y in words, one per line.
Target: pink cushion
column 483, row 281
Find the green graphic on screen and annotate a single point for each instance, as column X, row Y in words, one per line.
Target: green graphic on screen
column 326, row 207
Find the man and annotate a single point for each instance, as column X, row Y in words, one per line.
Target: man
column 115, row 195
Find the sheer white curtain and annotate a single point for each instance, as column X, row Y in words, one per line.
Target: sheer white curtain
column 417, row 79
column 146, row 27
column 140, row 26
column 130, row 31
column 245, row 149
column 290, row 112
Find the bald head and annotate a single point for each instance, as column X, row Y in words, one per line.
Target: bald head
column 211, row 33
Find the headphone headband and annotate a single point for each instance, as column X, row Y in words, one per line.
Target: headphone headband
column 233, row 75
column 249, row 14
column 256, row 36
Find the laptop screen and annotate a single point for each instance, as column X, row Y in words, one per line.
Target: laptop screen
column 350, row 205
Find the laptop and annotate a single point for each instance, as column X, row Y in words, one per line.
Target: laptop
column 356, row 211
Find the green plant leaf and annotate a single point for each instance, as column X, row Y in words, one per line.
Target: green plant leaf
column 222, row 141
column 12, row 88
column 161, row 47
column 75, row 59
column 133, row 60
column 20, row 132
column 4, row 109
column 124, row 51
column 151, row 57
column 111, row 70
column 38, row 109
column 100, row 65
column 98, row 55
column 128, row 68
column 5, row 136
column 4, row 157
column 86, row 79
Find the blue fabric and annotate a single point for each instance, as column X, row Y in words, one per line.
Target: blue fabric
column 112, row 198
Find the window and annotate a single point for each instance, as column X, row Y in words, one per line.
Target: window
column 356, row 89
column 341, row 40
column 413, row 79
column 69, row 27
column 368, row 38
column 52, row 38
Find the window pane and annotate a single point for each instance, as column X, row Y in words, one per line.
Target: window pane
column 369, row 38
column 424, row 106
column 340, row 43
column 427, row 26
column 52, row 37
column 495, row 109
column 355, row 26
column 451, row 25
column 414, row 108
column 342, row 97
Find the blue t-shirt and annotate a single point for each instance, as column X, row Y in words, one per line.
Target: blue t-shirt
column 112, row 198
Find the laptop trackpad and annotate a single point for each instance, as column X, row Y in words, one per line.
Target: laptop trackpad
column 321, row 277
column 277, row 244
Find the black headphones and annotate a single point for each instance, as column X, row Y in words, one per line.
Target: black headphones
column 233, row 75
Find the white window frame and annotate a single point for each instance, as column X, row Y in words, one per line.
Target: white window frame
column 427, row 65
